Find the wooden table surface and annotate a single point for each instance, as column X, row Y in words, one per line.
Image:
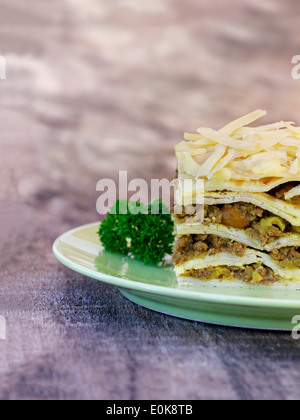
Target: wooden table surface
column 94, row 87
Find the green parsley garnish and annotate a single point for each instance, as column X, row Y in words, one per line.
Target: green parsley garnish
column 144, row 232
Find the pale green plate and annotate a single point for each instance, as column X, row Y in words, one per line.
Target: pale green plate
column 156, row 288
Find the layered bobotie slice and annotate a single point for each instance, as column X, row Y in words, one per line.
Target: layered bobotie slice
column 210, row 258
column 249, row 232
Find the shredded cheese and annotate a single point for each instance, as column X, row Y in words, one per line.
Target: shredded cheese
column 207, row 167
column 241, row 122
column 224, row 139
column 223, row 162
column 294, row 169
column 242, row 152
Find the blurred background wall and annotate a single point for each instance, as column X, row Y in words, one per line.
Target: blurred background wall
column 98, row 86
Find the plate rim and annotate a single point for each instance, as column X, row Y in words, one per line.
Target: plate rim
column 180, row 293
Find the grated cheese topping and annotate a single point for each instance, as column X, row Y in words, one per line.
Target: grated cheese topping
column 239, row 152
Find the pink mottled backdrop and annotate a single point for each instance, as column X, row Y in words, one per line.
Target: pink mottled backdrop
column 98, row 86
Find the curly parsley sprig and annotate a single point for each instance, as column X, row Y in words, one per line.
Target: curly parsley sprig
column 144, row 232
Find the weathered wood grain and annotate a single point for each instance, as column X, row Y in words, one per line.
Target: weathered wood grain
column 97, row 86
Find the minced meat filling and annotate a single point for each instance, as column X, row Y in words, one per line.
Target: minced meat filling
column 288, row 257
column 270, row 235
column 194, row 246
column 258, row 223
column 189, row 247
column 253, row 274
column 231, row 214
